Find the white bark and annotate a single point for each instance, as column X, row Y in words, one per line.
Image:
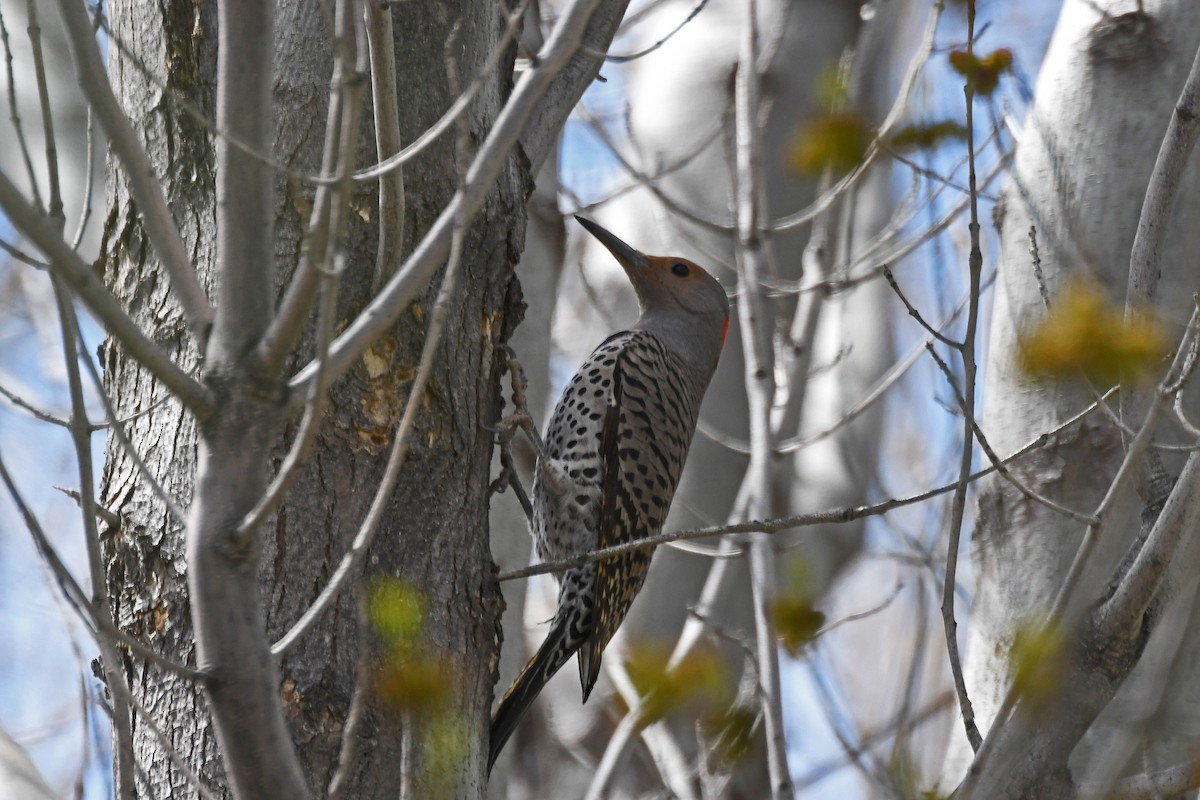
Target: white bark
column 1105, row 94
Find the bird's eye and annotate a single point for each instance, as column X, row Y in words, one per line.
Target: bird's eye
column 681, row 269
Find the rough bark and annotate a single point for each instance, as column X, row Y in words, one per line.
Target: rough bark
column 434, row 535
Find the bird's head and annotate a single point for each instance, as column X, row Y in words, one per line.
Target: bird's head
column 677, row 296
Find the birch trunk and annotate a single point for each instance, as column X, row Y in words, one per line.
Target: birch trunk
column 1105, row 94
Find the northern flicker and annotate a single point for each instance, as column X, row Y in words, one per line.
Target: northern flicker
column 611, row 460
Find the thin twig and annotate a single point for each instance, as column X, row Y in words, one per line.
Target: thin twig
column 117, row 427
column 1059, row 508
column 77, row 597
column 915, row 314
column 491, row 159
column 44, row 416
column 429, row 137
column 697, row 621
column 664, row 750
column 780, row 524
column 14, row 117
column 356, row 716
column 22, row 256
column 89, row 182
column 168, row 746
column 81, row 438
column 105, row 515
column 897, row 112
column 967, row 352
column 66, row 263
column 55, row 209
column 387, row 139
column 625, row 58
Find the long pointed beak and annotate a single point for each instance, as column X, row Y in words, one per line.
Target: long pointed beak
column 626, row 255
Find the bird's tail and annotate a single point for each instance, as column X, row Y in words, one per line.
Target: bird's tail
column 563, row 640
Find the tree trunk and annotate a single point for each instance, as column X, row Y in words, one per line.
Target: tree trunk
column 1106, row 92
column 434, row 535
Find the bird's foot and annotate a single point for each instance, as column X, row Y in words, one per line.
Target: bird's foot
column 509, row 477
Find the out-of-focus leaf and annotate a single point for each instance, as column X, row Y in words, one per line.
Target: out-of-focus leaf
column 410, row 675
column 1037, row 661
column 832, row 88
column 1086, row 333
column 982, row 72
column 836, row 139
column 701, row 677
column 444, row 749
column 731, row 733
column 396, row 609
column 411, row 678
column 796, row 622
column 793, row 609
column 927, row 135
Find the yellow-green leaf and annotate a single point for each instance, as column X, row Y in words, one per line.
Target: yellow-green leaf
column 796, row 622
column 927, row 135
column 982, row 72
column 1085, row 333
column 1037, row 660
column 837, row 140
column 700, row 677
column 731, row 733
column 396, row 609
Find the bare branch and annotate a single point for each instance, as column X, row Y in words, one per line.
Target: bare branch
column 461, row 103
column 899, row 107
column 82, row 280
column 379, row 315
column 915, row 314
column 85, row 212
column 626, row 58
column 143, row 183
column 168, row 746
column 245, row 213
column 81, row 438
column 44, row 416
column 571, row 78
column 344, row 110
column 777, row 525
column 753, row 498
column 74, row 594
column 387, row 139
column 1169, row 168
column 14, row 116
column 327, row 218
column 55, row 209
column 117, row 427
column 1020, row 486
column 967, row 351
column 355, row 718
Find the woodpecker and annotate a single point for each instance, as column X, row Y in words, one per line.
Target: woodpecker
column 611, row 460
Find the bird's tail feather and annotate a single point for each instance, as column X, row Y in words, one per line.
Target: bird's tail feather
column 559, row 645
